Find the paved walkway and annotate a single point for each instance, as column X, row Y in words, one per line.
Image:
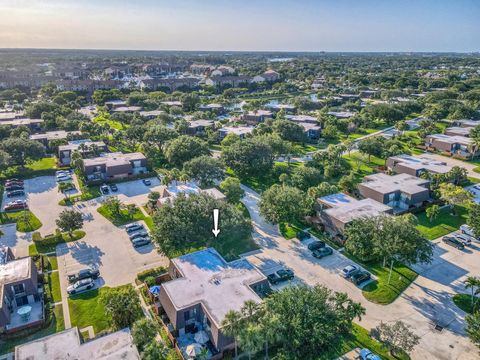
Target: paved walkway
column 425, row 303
column 455, row 162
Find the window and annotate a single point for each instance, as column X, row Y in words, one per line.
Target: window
column 21, row 301
column 18, row 289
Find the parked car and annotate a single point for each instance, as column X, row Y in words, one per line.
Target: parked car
column 316, row 245
column 81, row 285
column 138, row 234
column 105, row 190
column 12, row 187
column 61, row 178
column 130, row 228
column 322, row 252
column 113, row 187
column 464, row 239
column 147, row 182
column 349, row 270
column 450, row 240
column 13, row 182
column 16, row 205
column 83, row 274
column 142, row 241
column 476, row 187
column 14, row 193
column 465, row 229
column 360, row 277
column 62, row 173
column 280, row 276
column 302, row 235
column 366, row 354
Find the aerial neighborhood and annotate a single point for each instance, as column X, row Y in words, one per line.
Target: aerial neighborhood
column 185, row 205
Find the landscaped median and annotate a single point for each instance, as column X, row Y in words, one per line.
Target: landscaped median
column 443, row 224
column 48, row 244
column 26, row 220
column 123, row 216
column 464, row 302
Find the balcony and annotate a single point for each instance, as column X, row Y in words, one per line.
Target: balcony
column 18, row 322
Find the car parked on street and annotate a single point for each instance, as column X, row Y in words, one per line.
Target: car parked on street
column 142, row 241
column 138, row 234
column 349, row 270
column 366, row 354
column 83, row 274
column 14, row 193
column 105, row 190
column 80, row 286
column 281, row 276
column 452, row 241
column 316, row 245
column 360, row 277
column 465, row 229
column 130, row 228
column 322, row 252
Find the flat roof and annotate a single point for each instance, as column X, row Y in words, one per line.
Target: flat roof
column 52, row 135
column 454, row 139
column 238, row 130
column 301, row 118
column 214, row 193
column 309, row 126
column 113, row 159
column 152, row 113
column 195, row 123
column 15, row 270
column 347, row 209
column 218, row 285
column 127, row 109
column 24, row 121
column 418, row 162
column 458, row 130
column 342, row 114
column 260, row 113
column 387, row 184
column 467, row 123
column 75, row 144
column 67, row 345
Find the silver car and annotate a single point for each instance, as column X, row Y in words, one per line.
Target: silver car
column 349, row 270
column 80, row 286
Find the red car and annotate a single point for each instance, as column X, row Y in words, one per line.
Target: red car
column 16, row 205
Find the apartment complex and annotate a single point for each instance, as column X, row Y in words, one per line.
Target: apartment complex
column 416, row 165
column 113, row 166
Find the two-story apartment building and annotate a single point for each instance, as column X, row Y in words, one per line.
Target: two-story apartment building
column 401, row 192
column 199, row 127
column 204, row 289
column 21, row 300
column 112, row 166
column 459, row 146
column 458, row 131
column 84, row 146
column 241, row 131
column 337, row 211
column 256, row 117
column 416, row 165
column 45, row 138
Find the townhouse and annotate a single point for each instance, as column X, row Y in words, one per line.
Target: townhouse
column 416, row 165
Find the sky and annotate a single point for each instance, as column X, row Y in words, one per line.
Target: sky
column 243, row 25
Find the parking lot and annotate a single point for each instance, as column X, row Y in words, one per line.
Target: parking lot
column 475, row 191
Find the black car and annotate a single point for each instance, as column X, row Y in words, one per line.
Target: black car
column 302, row 235
column 138, row 234
column 322, row 252
column 13, row 187
column 83, row 274
column 104, row 189
column 130, row 228
column 140, row 241
column 113, row 187
column 316, row 245
column 15, row 193
column 450, row 240
column 360, row 277
column 280, row 276
column 147, row 182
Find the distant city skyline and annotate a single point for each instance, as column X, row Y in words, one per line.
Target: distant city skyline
column 268, row 25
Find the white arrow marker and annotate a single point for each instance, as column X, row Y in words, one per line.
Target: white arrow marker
column 215, row 229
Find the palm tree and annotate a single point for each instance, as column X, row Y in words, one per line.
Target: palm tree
column 473, row 283
column 63, row 187
column 231, row 326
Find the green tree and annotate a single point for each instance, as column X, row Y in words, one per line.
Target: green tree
column 280, row 204
column 473, row 283
column 288, row 130
column 122, row 306
column 69, row 220
column 184, row 148
column 205, row 169
column 371, row 146
column 475, row 136
column 397, row 337
column 153, row 197
column 473, row 219
column 348, row 183
column 21, row 150
column 232, row 327
column 249, row 157
column 473, row 327
column 304, row 177
column 63, row 187
column 432, row 212
column 156, row 351
column 232, row 190
column 113, row 205
column 454, row 195
column 144, row 332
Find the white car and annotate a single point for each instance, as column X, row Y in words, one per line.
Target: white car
column 349, row 270
column 464, row 239
column 81, row 285
column 61, row 178
column 465, row 229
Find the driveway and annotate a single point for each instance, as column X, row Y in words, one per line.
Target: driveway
column 15, row 240
column 475, row 190
column 455, row 162
column 425, row 303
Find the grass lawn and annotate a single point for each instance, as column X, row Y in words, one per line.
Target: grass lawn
column 26, row 220
column 56, row 325
column 361, row 166
column 123, row 218
column 379, row 291
column 443, row 224
column 289, row 231
column 49, row 244
column 464, row 302
column 86, row 310
column 44, row 166
column 112, row 123
column 53, row 264
column 53, row 287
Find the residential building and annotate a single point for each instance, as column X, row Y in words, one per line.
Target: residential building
column 342, row 114
column 84, row 146
column 256, row 116
column 151, row 114
column 87, row 86
column 198, row 127
column 460, row 146
column 230, row 80
column 312, row 131
column 204, row 289
column 277, row 107
column 32, row 124
column 267, row 76
column 113, row 166
column 466, row 123
column 241, row 131
column 171, row 84
column 415, row 165
column 11, row 115
column 401, row 192
column 113, row 104
column 214, row 193
column 216, row 108
column 337, row 211
column 127, row 109
column 45, row 138
column 68, row 344
column 458, row 131
column 302, row 118
column 19, row 292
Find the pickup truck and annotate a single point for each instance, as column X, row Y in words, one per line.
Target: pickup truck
column 83, row 274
